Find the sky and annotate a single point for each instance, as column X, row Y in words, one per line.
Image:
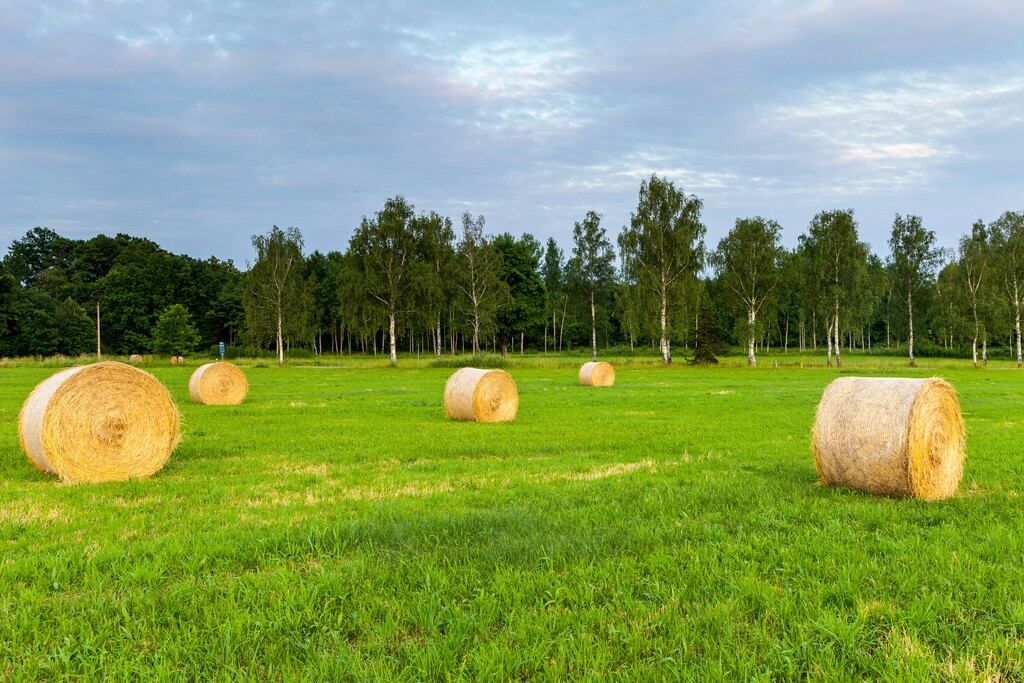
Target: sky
column 199, row 124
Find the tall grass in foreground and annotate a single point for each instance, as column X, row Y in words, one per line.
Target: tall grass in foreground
column 336, row 526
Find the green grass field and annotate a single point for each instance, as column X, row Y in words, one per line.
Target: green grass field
column 336, row 526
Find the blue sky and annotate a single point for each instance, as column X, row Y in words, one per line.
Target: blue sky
column 198, row 124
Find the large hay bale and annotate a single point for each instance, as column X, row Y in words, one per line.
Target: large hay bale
column 481, row 395
column 102, row 422
column 135, row 358
column 597, row 374
column 890, row 436
column 218, row 384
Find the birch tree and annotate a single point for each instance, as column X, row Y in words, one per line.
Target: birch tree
column 592, row 266
column 553, row 274
column 975, row 260
column 838, row 260
column 437, row 251
column 275, row 296
column 477, row 265
column 747, row 263
column 913, row 259
column 663, row 249
column 1008, row 243
column 386, row 250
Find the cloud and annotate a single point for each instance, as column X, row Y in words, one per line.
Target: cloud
column 208, row 122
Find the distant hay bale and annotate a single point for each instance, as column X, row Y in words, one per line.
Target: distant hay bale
column 218, row 384
column 176, row 359
column 890, row 436
column 103, row 422
column 481, row 395
column 135, row 358
column 597, row 374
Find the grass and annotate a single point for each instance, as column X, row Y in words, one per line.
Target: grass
column 336, row 526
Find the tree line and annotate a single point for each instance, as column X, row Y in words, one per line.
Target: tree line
column 414, row 281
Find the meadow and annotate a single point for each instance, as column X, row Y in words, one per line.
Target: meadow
column 336, row 526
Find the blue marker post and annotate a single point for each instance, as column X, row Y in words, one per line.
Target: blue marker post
column 222, row 350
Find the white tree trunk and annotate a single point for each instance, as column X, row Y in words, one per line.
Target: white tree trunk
column 391, row 339
column 839, row 341
column 1017, row 325
column 751, row 317
column 280, row 341
column 974, row 349
column 666, row 351
column 437, row 339
column 910, row 328
column 593, row 328
column 828, row 336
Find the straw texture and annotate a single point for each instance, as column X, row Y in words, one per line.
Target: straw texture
column 102, row 422
column 481, row 395
column 218, row 384
column 597, row 374
column 890, row 436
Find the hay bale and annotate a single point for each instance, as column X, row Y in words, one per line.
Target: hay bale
column 597, row 374
column 218, row 384
column 135, row 358
column 481, row 395
column 890, row 436
column 102, row 422
column 176, row 359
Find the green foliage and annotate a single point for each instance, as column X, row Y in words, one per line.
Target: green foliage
column 175, row 334
column 662, row 252
column 591, row 269
column 520, row 265
column 480, row 291
column 277, row 298
column 747, row 263
column 708, row 344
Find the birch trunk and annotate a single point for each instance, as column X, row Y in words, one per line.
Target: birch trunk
column 280, row 342
column 1017, row 325
column 391, row 339
column 839, row 360
column 437, row 338
column 593, row 328
column 828, row 335
column 751, row 316
column 910, row 328
column 666, row 351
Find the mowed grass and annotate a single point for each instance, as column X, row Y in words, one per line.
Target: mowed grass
column 336, row 526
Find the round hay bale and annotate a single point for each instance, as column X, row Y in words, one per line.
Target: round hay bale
column 102, row 422
column 175, row 360
column 135, row 358
column 890, row 436
column 218, row 384
column 597, row 374
column 481, row 395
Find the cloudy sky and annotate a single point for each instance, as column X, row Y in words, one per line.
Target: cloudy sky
column 198, row 124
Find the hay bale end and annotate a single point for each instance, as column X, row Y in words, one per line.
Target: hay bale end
column 890, row 436
column 218, row 384
column 103, row 422
column 597, row 374
column 481, row 395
